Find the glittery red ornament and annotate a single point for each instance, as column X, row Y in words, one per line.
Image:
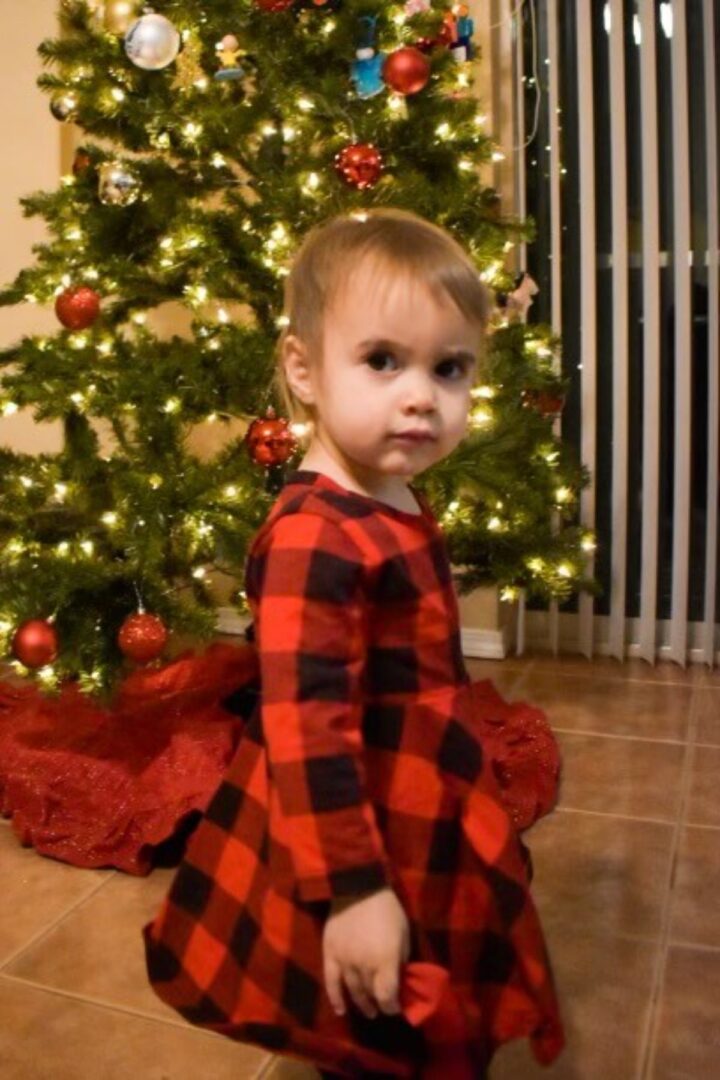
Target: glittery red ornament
column 359, row 164
column 77, row 307
column 35, row 643
column 142, row 637
column 406, row 70
column 274, row 5
column 546, row 402
column 81, row 163
column 270, row 440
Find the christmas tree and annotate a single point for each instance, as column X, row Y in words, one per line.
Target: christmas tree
column 217, row 132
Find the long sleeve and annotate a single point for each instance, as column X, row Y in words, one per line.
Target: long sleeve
column 304, row 584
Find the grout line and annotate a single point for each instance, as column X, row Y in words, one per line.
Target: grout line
column 48, row 929
column 616, row 817
column 648, row 1046
column 619, row 679
column 619, row 735
column 108, row 1006
column 694, row 946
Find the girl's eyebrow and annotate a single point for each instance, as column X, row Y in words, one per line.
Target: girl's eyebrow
column 449, row 352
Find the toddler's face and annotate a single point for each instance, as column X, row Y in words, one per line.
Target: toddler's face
column 392, row 387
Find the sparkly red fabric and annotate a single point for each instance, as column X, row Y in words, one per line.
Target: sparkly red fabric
column 525, row 754
column 98, row 787
column 94, row 786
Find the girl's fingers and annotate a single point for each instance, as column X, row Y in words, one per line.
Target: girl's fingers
column 386, row 987
column 333, row 985
column 359, row 992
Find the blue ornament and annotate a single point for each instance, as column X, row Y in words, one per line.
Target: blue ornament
column 366, row 69
column 366, row 73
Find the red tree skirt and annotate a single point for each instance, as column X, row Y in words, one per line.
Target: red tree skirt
column 104, row 787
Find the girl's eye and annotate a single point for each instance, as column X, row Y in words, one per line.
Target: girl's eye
column 382, row 361
column 451, row 369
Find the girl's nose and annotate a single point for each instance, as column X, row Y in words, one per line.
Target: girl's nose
column 420, row 396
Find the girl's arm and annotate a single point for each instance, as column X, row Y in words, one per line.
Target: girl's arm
column 306, row 581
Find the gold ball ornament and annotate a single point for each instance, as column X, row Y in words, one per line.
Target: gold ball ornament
column 118, row 15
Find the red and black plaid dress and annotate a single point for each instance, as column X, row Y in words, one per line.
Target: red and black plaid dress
column 363, row 767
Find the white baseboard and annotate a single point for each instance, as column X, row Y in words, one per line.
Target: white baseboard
column 230, row 621
column 485, row 644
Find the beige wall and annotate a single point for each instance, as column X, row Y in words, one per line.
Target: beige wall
column 30, row 161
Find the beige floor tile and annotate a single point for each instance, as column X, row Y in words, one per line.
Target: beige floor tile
column 707, row 703
column 74, row 956
column 604, row 985
column 606, row 667
column 45, row 1036
column 605, row 875
column 688, row 1040
column 285, row 1069
column 621, row 776
column 36, row 892
column 505, row 674
column 610, row 706
column 696, row 913
column 704, row 797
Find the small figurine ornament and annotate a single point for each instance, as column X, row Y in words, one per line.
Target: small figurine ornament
column 462, row 48
column 518, row 302
column 229, row 53
column 366, row 70
column 416, row 7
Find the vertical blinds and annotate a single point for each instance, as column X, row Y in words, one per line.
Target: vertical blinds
column 619, row 169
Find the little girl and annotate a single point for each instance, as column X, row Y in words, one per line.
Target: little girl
column 356, row 894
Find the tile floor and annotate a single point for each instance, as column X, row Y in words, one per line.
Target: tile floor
column 627, row 879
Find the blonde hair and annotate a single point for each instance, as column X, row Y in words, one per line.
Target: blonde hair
column 398, row 242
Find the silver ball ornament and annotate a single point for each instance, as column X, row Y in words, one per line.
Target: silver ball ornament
column 152, row 42
column 64, row 107
column 117, row 184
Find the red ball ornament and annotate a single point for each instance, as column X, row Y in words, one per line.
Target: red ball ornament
column 270, row 440
column 546, row 402
column 81, row 163
column 142, row 637
column 274, row 5
column 359, row 165
column 35, row 643
column 406, row 70
column 78, row 307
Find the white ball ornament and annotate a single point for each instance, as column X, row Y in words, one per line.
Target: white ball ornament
column 152, row 42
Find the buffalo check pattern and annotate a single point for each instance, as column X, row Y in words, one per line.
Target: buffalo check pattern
column 361, row 767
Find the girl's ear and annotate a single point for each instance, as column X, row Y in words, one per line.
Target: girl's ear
column 296, row 364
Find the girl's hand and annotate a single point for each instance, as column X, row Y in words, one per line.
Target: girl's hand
column 365, row 941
